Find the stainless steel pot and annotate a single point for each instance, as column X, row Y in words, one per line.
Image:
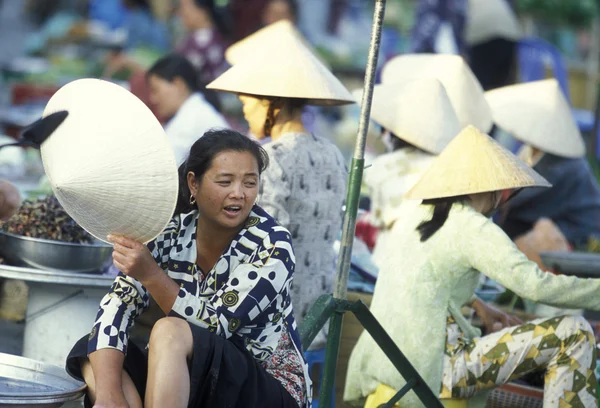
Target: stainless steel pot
column 54, row 255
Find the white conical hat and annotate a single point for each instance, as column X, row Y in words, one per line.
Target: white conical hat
column 110, row 163
column 418, row 112
column 465, row 92
column 474, row 163
column 489, row 19
column 286, row 69
column 537, row 113
column 274, row 36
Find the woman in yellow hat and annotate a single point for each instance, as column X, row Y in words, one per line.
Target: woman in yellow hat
column 304, row 188
column 438, row 252
column 402, row 109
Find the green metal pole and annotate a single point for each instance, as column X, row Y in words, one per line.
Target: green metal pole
column 352, row 199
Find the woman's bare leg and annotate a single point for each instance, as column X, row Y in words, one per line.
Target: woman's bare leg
column 171, row 346
column 131, row 395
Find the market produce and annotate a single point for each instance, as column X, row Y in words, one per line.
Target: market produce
column 46, row 219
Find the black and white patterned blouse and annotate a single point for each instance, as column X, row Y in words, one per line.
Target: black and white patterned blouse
column 247, row 294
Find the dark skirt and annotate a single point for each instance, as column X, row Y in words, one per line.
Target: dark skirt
column 222, row 373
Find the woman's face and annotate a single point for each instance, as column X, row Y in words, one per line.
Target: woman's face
column 192, row 16
column 228, row 189
column 277, row 10
column 255, row 112
column 486, row 203
column 167, row 97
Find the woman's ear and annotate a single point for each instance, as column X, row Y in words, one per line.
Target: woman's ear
column 181, row 85
column 192, row 182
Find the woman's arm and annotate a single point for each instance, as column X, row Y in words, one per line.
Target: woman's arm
column 489, row 250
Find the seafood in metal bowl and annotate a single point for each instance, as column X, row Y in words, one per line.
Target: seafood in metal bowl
column 42, row 235
column 45, row 218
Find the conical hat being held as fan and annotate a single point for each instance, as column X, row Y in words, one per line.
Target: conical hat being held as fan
column 109, row 163
column 474, row 163
column 464, row 91
column 418, row 112
column 537, row 113
column 289, row 71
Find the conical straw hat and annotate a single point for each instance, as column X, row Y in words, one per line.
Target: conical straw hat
column 285, row 69
column 274, row 35
column 537, row 113
column 418, row 112
column 474, row 163
column 465, row 92
column 109, row 163
column 489, row 19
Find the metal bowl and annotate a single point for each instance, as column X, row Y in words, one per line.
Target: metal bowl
column 29, row 383
column 54, row 255
column 581, row 264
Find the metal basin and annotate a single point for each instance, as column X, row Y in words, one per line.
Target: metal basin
column 27, row 383
column 581, row 264
column 54, row 255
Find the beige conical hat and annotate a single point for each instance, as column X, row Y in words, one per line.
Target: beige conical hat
column 537, row 113
column 286, row 69
column 474, row 163
column 465, row 92
column 489, row 19
column 418, row 112
column 110, row 163
column 274, row 36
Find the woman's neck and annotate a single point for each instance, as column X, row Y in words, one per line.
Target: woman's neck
column 288, row 122
column 202, row 24
column 214, row 238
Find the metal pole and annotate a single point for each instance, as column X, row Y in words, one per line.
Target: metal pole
column 352, row 198
column 356, row 170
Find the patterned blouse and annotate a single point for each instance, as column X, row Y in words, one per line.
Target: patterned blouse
column 245, row 294
column 304, row 189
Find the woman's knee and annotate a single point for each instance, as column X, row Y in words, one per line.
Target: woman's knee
column 579, row 324
column 171, row 334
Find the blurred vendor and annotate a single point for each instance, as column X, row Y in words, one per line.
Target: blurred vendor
column 304, row 188
column 538, row 115
column 401, row 109
column 492, row 33
column 10, row 199
column 175, row 94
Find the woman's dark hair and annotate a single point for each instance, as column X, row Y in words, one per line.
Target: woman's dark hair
column 279, row 103
column 177, row 66
column 398, row 143
column 441, row 210
column 202, row 153
column 137, row 4
column 217, row 15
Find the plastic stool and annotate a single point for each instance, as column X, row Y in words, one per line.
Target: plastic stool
column 318, row 357
column 383, row 394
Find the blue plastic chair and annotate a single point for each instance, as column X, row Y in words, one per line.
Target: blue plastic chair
column 534, row 54
column 317, row 357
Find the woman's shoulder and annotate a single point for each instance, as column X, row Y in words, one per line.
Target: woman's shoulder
column 270, row 229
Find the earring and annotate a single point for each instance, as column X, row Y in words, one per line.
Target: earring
column 192, row 199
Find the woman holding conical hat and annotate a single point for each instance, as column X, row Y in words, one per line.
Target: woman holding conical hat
column 438, row 252
column 538, row 114
column 217, row 265
column 417, row 121
column 304, row 188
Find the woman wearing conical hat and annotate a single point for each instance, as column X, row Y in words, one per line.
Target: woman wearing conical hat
column 440, row 249
column 304, row 188
column 417, row 121
column 464, row 91
column 538, row 115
